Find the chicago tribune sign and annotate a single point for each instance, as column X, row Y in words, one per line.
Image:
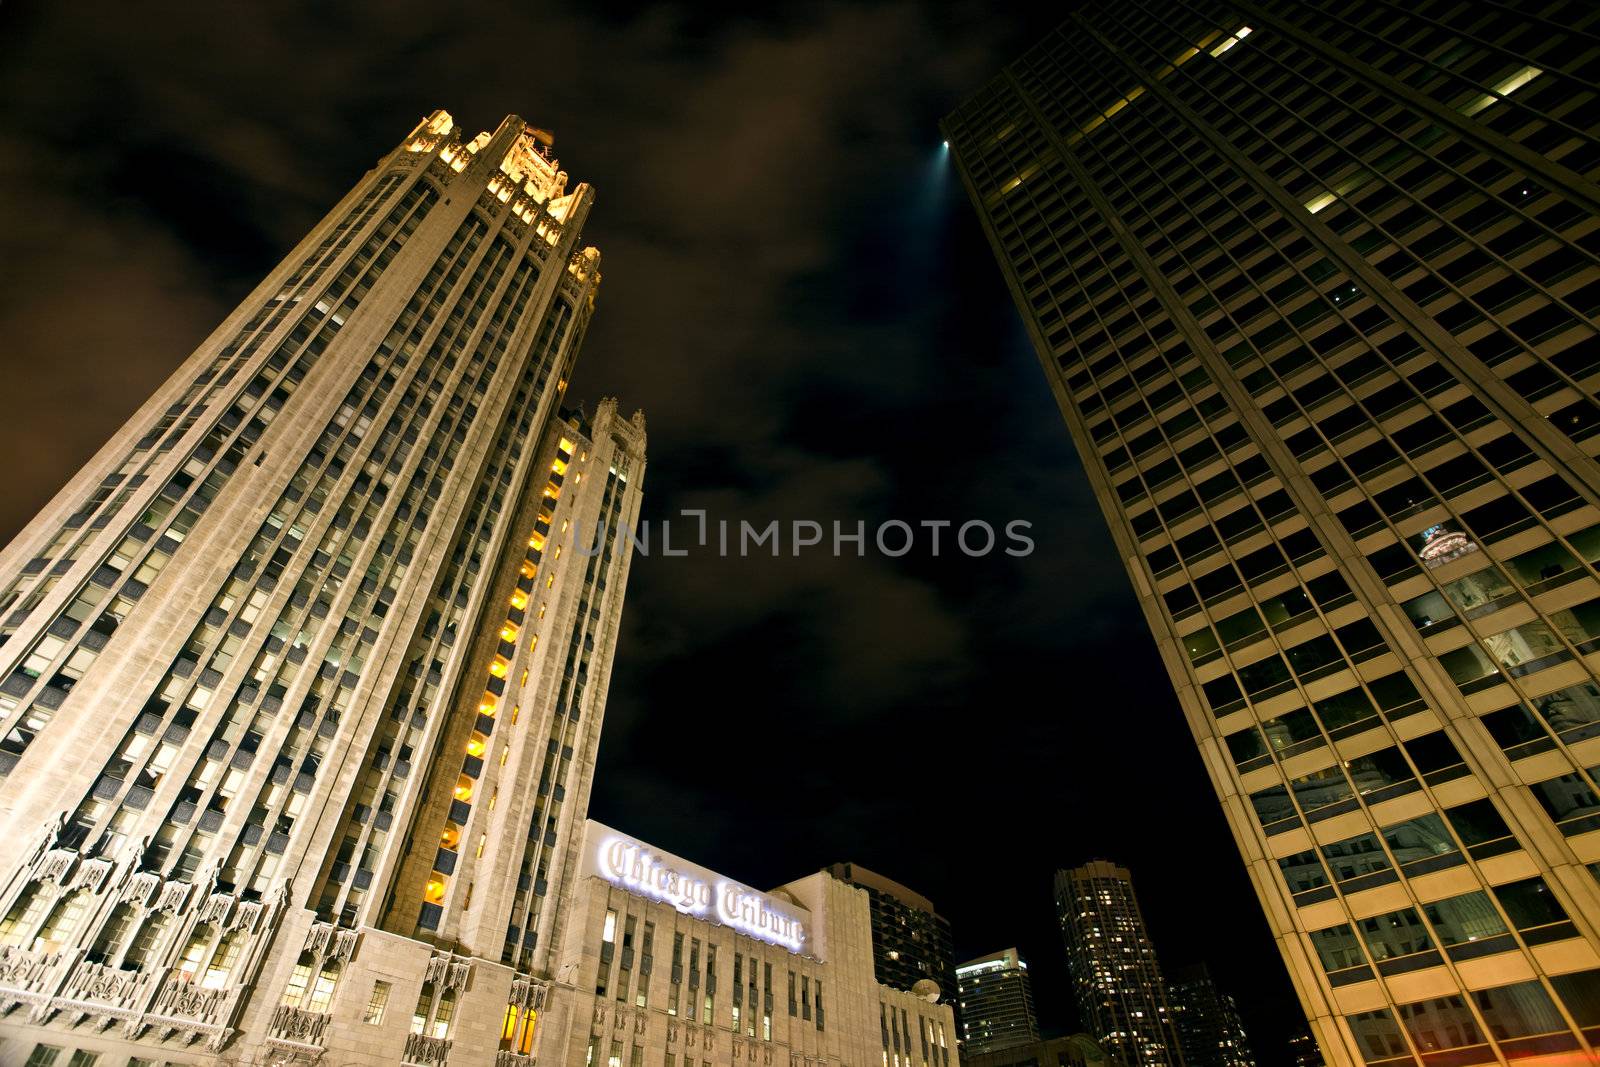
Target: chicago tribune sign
column 691, row 889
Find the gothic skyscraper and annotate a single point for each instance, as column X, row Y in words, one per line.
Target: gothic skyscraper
column 1314, row 286
column 313, row 653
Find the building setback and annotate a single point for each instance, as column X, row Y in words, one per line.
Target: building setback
column 911, row 941
column 1207, row 1020
column 1314, row 287
column 1116, row 978
column 996, row 1003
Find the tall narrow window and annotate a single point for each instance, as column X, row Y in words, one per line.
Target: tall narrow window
column 372, row 1015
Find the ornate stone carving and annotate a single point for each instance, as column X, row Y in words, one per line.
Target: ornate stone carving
column 331, row 941
column 215, row 909
column 450, row 971
column 426, row 1051
column 56, row 865
column 247, row 916
column 92, row 874
column 186, row 1000
column 25, row 968
column 172, row 897
column 98, row 982
column 299, row 1025
column 528, row 993
column 141, row 887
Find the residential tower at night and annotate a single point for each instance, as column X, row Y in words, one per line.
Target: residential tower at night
column 996, row 1001
column 1116, row 978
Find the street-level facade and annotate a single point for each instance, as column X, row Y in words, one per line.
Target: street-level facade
column 1314, row 286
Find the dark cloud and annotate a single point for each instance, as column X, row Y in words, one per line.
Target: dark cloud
column 798, row 297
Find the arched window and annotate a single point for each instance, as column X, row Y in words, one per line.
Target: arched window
column 194, row 951
column 24, row 914
column 112, row 933
column 443, row 1014
column 295, row 991
column 145, row 942
column 62, row 925
column 322, row 991
column 223, row 960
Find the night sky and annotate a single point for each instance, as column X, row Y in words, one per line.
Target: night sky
column 799, row 297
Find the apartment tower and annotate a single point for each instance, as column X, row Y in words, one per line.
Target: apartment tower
column 1116, row 979
column 303, row 672
column 911, row 941
column 1314, row 287
column 996, row 1003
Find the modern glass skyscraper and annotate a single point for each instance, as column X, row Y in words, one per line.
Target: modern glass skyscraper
column 996, row 1003
column 1115, row 975
column 1314, row 286
column 303, row 673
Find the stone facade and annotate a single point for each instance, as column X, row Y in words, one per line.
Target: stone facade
column 302, row 676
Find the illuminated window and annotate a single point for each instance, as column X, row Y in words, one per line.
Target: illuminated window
column 1228, row 42
column 1502, row 90
column 295, row 991
column 322, row 989
column 22, row 916
column 443, row 1014
column 433, row 891
column 609, row 933
column 223, row 960
column 193, row 952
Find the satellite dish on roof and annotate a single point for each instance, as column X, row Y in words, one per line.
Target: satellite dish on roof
column 927, row 989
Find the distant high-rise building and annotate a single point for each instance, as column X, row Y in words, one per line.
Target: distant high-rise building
column 1207, row 1019
column 301, row 695
column 996, row 1003
column 1116, row 978
column 910, row 940
column 1315, row 288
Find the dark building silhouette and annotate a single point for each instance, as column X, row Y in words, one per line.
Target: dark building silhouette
column 1209, row 1027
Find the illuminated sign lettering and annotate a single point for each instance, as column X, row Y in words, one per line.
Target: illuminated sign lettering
column 692, row 890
